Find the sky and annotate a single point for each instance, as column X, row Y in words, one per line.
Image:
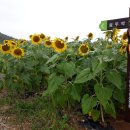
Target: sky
column 58, row 18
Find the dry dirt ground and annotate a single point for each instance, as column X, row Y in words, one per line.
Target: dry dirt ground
column 9, row 121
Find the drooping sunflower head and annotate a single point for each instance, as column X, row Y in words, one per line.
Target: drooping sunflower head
column 123, row 48
column 12, row 44
column 66, row 39
column 59, row 45
column 115, row 39
column 108, row 34
column 115, row 32
column 83, row 49
column 6, row 41
column 30, row 36
column 90, row 36
column 124, row 37
column 36, row 39
column 17, row 52
column 77, row 38
column 5, row 48
column 48, row 43
column 21, row 41
column 42, row 36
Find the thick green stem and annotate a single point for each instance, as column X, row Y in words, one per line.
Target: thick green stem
column 102, row 115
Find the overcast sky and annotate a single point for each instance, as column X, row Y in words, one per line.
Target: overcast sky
column 58, row 18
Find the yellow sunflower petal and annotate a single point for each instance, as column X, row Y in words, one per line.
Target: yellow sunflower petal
column 18, row 52
column 83, row 49
column 48, row 43
column 36, row 39
column 5, row 48
column 59, row 45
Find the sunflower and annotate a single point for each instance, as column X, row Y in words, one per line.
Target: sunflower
column 66, row 39
column 48, row 43
column 30, row 36
column 115, row 33
column 5, row 48
column 21, row 41
column 108, row 34
column 123, row 48
column 36, row 39
column 6, row 41
column 18, row 52
column 115, row 39
column 0, row 46
column 59, row 45
column 12, row 44
column 83, row 49
column 124, row 37
column 77, row 38
column 90, row 36
column 42, row 36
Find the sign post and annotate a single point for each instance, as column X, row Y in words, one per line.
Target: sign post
column 127, row 114
column 115, row 23
column 122, row 24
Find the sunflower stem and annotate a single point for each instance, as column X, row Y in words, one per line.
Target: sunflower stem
column 102, row 115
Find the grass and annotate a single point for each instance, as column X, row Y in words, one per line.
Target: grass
column 38, row 112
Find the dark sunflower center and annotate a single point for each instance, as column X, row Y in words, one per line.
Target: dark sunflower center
column 17, row 52
column 42, row 36
column 36, row 39
column 30, row 36
column 13, row 43
column 66, row 38
column 6, row 41
column 5, row 47
column 84, row 49
column 124, row 46
column 48, row 42
column 125, row 36
column 90, row 35
column 21, row 41
column 59, row 44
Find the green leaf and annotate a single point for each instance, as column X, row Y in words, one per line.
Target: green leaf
column 119, row 95
column 67, row 68
column 95, row 63
column 88, row 103
column 95, row 114
column 103, row 94
column 1, row 85
column 115, row 78
column 84, row 76
column 60, row 98
column 97, row 66
column 45, row 69
column 75, row 92
column 110, row 109
column 52, row 59
column 54, row 82
column 25, row 78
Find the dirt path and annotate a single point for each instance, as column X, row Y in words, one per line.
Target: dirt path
column 9, row 123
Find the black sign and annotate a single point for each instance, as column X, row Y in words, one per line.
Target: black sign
column 118, row 23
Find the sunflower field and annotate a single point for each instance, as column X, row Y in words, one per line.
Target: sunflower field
column 87, row 74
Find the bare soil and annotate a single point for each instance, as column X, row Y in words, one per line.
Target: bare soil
column 9, row 121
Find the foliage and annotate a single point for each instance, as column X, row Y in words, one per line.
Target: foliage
column 87, row 73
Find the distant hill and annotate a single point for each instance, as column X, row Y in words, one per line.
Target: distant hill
column 4, row 37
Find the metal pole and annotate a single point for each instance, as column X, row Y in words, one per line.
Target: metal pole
column 127, row 112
